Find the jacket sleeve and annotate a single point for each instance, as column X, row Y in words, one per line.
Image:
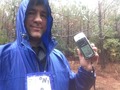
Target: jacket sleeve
column 83, row 80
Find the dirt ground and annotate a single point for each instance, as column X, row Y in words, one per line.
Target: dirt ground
column 107, row 79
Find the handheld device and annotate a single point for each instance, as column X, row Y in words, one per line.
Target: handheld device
column 83, row 44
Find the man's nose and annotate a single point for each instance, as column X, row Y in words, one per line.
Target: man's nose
column 38, row 18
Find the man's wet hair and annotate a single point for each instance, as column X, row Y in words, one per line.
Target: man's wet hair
column 33, row 3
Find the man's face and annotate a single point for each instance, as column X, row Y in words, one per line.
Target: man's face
column 36, row 21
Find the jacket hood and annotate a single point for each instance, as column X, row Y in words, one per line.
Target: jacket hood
column 22, row 35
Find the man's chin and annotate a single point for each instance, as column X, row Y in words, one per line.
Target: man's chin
column 36, row 36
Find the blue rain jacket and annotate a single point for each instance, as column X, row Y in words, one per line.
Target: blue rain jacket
column 17, row 59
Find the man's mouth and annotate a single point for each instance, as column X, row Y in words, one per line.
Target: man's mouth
column 36, row 28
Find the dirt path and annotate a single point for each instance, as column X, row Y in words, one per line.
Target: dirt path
column 107, row 83
column 107, row 79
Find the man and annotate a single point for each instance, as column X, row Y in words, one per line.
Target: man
column 32, row 63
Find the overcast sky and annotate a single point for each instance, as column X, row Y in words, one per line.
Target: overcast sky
column 91, row 4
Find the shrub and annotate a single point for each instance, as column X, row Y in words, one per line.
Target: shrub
column 112, row 47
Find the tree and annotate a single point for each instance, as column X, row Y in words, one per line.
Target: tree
column 8, row 15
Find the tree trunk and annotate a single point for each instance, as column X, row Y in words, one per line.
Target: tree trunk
column 102, row 60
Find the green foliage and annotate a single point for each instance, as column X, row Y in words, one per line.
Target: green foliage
column 3, row 38
column 112, row 46
column 64, row 48
column 61, row 44
column 8, row 9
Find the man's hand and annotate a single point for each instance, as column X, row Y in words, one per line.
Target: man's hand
column 90, row 63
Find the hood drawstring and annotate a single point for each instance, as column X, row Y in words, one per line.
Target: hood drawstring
column 25, row 36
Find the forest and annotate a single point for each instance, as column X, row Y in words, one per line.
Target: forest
column 101, row 26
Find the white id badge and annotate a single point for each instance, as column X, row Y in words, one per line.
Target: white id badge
column 39, row 81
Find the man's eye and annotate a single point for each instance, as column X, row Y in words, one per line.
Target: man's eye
column 44, row 15
column 30, row 13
